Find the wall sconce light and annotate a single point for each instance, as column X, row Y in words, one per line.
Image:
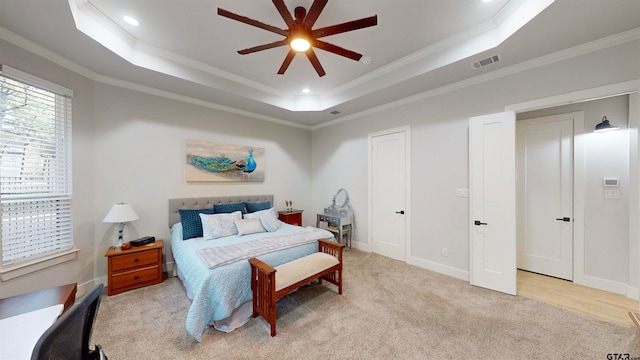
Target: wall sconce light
column 120, row 213
column 605, row 126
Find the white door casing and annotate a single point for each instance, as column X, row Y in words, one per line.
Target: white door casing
column 545, row 195
column 388, row 194
column 492, row 202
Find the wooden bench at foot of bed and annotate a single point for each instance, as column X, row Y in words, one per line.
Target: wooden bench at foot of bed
column 268, row 287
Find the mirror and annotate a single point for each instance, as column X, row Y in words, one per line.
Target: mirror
column 341, row 199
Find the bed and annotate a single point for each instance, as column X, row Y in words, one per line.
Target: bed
column 221, row 296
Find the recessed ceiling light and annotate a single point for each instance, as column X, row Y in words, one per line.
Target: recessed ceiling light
column 306, row 90
column 131, row 21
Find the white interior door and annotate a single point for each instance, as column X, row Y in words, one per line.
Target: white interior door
column 492, row 202
column 545, row 195
column 388, row 194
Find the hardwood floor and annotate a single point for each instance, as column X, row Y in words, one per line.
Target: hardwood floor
column 599, row 304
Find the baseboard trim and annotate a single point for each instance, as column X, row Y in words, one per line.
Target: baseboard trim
column 606, row 285
column 439, row 268
column 362, row 246
column 168, row 267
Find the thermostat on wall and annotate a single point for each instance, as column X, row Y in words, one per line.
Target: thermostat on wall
column 612, row 182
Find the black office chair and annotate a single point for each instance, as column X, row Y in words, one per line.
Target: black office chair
column 68, row 338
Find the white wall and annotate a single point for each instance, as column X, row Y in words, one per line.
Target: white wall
column 439, row 153
column 607, row 226
column 130, row 146
column 140, row 148
column 83, row 269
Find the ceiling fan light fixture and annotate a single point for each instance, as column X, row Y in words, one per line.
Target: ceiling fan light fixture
column 300, row 44
column 300, row 35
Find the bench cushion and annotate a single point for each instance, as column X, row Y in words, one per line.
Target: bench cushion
column 300, row 269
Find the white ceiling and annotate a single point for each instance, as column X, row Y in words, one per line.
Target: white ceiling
column 185, row 49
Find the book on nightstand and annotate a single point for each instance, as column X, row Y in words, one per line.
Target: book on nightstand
column 142, row 241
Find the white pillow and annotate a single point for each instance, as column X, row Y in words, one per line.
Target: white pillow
column 268, row 218
column 249, row 226
column 219, row 225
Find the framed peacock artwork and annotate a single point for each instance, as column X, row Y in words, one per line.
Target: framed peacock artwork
column 208, row 161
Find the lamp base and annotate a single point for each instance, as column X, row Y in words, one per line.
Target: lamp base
column 118, row 244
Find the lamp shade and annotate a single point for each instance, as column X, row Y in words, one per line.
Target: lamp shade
column 120, row 213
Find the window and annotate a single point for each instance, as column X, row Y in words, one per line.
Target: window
column 35, row 169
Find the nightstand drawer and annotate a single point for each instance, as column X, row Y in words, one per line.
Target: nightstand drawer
column 136, row 277
column 128, row 261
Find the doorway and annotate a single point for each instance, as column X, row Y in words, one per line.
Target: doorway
column 590, row 189
column 544, row 194
column 579, row 274
column 389, row 192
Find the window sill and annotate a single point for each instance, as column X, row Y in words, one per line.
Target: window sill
column 16, row 270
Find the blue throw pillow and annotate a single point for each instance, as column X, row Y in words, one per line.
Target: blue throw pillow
column 257, row 206
column 229, row 208
column 191, row 223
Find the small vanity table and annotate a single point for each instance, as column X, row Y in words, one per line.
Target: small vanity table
column 338, row 218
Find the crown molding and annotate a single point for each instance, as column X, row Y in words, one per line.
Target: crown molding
column 604, row 43
column 617, row 39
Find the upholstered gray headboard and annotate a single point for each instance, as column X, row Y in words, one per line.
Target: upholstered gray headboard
column 208, row 202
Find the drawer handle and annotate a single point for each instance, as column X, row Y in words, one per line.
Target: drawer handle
column 135, row 278
column 135, row 260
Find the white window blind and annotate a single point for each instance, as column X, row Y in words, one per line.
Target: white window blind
column 35, row 167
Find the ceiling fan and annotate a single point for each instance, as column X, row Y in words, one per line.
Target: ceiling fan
column 300, row 37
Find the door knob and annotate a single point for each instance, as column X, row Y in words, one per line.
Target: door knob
column 400, row 212
column 566, row 219
column 477, row 222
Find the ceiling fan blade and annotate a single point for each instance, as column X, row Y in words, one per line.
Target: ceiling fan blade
column 313, row 13
column 284, row 12
column 315, row 62
column 263, row 47
column 248, row 21
column 287, row 61
column 344, row 27
column 337, row 50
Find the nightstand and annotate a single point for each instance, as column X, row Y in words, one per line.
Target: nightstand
column 135, row 267
column 291, row 217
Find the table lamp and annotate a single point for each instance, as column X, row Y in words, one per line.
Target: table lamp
column 120, row 213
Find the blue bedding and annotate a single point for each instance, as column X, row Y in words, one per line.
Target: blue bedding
column 217, row 292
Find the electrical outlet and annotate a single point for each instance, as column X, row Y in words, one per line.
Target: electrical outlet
column 445, row 252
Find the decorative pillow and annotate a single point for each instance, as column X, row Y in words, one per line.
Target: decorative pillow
column 249, row 226
column 268, row 218
column 191, row 223
column 229, row 208
column 219, row 225
column 257, row 206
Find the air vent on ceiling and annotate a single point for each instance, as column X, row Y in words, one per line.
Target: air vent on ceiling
column 335, row 112
column 488, row 61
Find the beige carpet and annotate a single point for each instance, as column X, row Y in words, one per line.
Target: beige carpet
column 389, row 310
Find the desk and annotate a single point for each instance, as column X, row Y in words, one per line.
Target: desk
column 20, row 304
column 339, row 224
column 24, row 318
